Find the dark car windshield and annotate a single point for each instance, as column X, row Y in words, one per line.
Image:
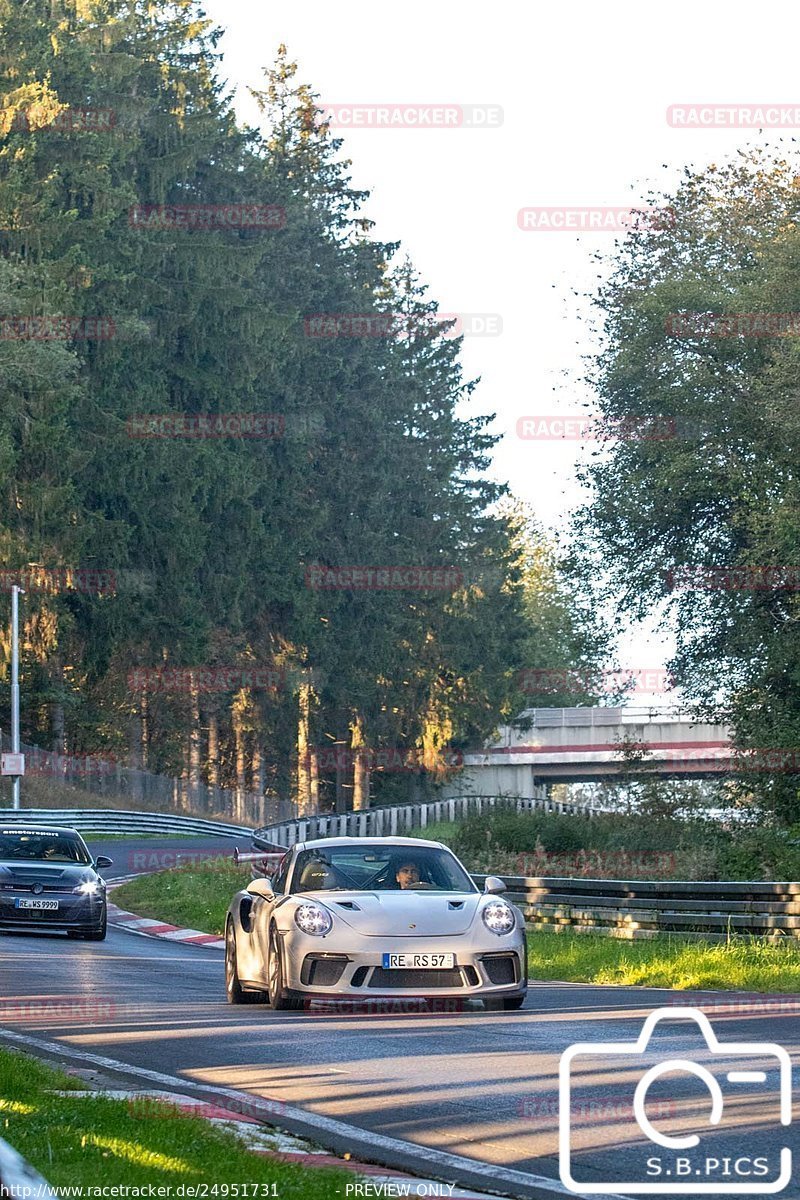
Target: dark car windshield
column 42, row 847
column 362, row 867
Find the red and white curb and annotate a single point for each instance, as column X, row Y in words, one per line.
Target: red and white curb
column 158, row 929
column 283, row 1147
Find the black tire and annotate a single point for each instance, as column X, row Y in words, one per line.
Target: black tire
column 503, row 1004
column 280, row 999
column 233, row 988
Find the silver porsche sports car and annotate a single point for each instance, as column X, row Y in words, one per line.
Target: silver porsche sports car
column 366, row 917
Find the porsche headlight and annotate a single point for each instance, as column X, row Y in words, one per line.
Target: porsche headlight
column 90, row 887
column 498, row 916
column 313, row 918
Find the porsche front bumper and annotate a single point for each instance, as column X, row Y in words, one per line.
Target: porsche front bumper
column 352, row 965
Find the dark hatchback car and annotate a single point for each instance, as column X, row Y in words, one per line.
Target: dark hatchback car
column 49, row 881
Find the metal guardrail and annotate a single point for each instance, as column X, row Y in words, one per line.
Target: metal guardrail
column 401, row 818
column 112, row 821
column 629, row 909
column 638, row 909
column 18, row 1178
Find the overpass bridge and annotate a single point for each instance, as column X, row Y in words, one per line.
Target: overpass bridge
column 574, row 745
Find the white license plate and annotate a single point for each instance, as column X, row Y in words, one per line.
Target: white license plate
column 47, row 905
column 431, row 962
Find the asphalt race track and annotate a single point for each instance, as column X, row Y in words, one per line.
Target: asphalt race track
column 479, row 1085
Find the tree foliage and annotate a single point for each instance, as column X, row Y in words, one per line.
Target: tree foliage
column 111, row 110
column 693, row 511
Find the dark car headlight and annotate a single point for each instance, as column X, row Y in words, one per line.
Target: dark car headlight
column 498, row 917
column 313, row 918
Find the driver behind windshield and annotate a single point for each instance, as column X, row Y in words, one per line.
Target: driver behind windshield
column 41, row 848
column 407, row 875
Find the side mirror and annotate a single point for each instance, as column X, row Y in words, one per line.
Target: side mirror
column 493, row 885
column 261, row 887
column 103, row 861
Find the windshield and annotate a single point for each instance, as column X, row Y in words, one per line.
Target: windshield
column 379, row 868
column 42, row 847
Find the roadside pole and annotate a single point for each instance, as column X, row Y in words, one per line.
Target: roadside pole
column 15, row 591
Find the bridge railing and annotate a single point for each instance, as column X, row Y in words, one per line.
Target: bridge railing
column 639, row 909
column 591, row 716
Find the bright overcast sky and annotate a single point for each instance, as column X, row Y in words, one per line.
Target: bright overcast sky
column 584, row 88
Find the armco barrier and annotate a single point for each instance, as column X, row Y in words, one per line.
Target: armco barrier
column 114, row 821
column 633, row 909
column 639, row 909
column 18, row 1178
column 399, row 819
column 630, row 909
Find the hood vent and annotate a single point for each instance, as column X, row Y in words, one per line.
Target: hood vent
column 455, row 904
column 350, row 905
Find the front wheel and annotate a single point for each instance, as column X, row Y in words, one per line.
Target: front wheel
column 503, row 1004
column 233, row 988
column 279, row 998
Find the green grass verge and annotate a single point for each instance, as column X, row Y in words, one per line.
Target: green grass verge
column 669, row 962
column 199, row 898
column 96, row 1141
column 195, row 897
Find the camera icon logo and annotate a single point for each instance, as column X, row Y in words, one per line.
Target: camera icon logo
column 688, row 1162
